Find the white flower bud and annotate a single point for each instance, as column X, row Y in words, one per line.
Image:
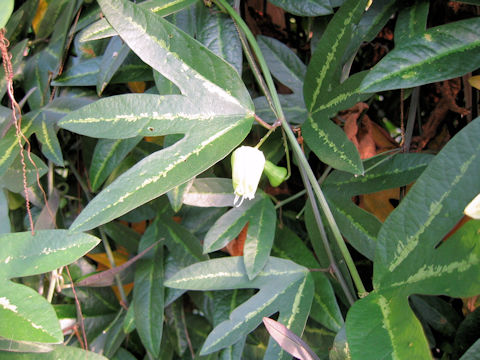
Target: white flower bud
column 473, row 209
column 247, row 167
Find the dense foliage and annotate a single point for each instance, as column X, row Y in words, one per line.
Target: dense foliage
column 122, row 234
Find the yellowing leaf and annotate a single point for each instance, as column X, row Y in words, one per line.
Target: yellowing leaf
column 137, row 86
column 120, row 257
column 41, row 10
column 475, row 81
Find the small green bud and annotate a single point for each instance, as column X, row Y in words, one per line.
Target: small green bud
column 276, row 174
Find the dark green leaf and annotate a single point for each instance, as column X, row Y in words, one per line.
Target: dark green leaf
column 164, row 86
column 217, row 31
column 85, row 72
column 184, row 247
column 176, row 195
column 283, row 63
column 316, row 240
column 261, row 219
column 17, row 56
column 129, row 321
column 358, row 226
column 47, row 135
column 123, row 354
column 20, row 21
column 292, row 104
column 108, row 154
column 437, row 313
column 49, row 19
column 148, row 296
column 10, row 179
column 325, row 309
column 177, row 327
column 412, row 20
column 115, row 335
column 327, row 58
column 305, row 7
column 331, row 144
column 260, row 235
column 467, row 333
column 114, row 56
column 371, row 23
column 441, row 53
column 340, row 349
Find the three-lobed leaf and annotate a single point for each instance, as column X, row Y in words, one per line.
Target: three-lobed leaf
column 284, row 286
column 410, row 257
column 214, row 113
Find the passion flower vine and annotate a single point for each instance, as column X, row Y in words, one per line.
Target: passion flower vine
column 247, row 167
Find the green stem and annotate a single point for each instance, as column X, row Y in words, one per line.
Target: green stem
column 106, row 244
column 51, row 286
column 326, row 245
column 295, row 146
column 53, row 274
column 287, row 156
column 411, row 119
column 223, row 4
column 265, row 137
column 326, row 210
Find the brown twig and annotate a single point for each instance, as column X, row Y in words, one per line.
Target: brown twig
column 7, row 65
column 187, row 336
column 449, row 90
column 79, row 311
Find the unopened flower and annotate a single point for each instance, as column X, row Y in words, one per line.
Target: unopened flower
column 247, row 167
column 473, row 209
column 276, row 174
